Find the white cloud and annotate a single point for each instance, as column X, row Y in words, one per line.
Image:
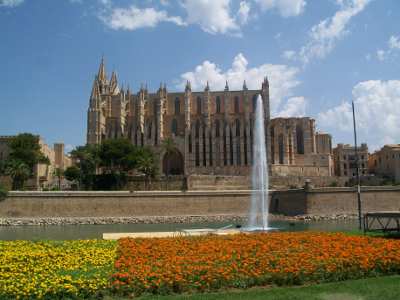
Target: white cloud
column 243, row 12
column 393, row 46
column 10, row 3
column 381, row 54
column 394, row 42
column 286, row 8
column 213, row 16
column 289, row 54
column 324, row 36
column 133, row 18
column 282, row 78
column 294, row 107
column 377, row 106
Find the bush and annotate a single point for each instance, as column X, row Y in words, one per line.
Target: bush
column 3, row 192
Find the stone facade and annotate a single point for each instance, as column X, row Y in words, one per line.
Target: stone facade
column 386, row 162
column 294, row 148
column 212, row 130
column 345, row 160
column 43, row 174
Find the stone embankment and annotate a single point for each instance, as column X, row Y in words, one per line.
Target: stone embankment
column 239, row 219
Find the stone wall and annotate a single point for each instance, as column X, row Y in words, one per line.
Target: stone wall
column 321, row 202
column 123, row 204
column 334, row 201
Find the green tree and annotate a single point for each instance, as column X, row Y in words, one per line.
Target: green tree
column 87, row 161
column 59, row 173
column 25, row 147
column 19, row 173
column 25, row 154
column 117, row 155
column 147, row 164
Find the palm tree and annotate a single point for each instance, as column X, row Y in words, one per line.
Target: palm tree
column 59, row 173
column 146, row 164
column 19, row 172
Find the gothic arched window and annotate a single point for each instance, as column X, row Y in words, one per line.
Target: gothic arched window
column 237, row 125
column 197, row 129
column 218, row 104
column 217, row 128
column 236, row 104
column 281, row 149
column 254, row 102
column 177, row 106
column 272, row 133
column 174, row 127
column 149, row 127
column 300, row 139
column 198, row 105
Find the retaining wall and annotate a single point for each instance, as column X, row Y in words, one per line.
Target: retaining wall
column 321, row 201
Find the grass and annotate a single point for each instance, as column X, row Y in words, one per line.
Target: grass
column 387, row 288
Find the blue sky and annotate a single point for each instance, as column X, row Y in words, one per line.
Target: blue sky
column 318, row 55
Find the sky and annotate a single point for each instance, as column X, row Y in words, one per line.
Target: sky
column 319, row 55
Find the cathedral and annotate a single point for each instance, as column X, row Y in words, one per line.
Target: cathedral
column 212, row 131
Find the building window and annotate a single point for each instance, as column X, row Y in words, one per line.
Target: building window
column 218, row 104
column 204, row 147
column 190, row 143
column 254, row 102
column 236, row 105
column 231, row 146
column 174, row 127
column 217, row 129
column 300, row 139
column 344, row 166
column 177, row 106
column 281, row 150
column 197, row 154
column 245, row 145
column 272, row 133
column 210, row 148
column 344, row 157
column 197, row 129
column 198, row 105
column 149, row 127
column 237, row 126
column 225, row 150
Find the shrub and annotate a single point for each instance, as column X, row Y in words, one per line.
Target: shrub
column 3, row 192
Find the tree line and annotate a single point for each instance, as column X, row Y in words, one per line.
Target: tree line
column 96, row 167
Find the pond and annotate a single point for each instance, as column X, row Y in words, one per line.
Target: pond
column 75, row 232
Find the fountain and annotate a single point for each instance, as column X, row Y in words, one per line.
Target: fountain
column 258, row 216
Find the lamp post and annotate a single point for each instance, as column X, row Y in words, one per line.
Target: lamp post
column 357, row 170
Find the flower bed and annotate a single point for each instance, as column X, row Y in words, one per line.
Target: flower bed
column 206, row 263
column 54, row 269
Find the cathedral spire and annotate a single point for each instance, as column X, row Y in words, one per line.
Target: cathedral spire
column 188, row 86
column 265, row 82
column 114, row 80
column 95, row 89
column 226, row 86
column 244, row 85
column 102, row 71
column 207, row 87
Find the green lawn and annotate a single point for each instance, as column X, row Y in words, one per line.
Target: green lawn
column 365, row 289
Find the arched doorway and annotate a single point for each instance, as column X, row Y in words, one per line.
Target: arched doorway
column 173, row 163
